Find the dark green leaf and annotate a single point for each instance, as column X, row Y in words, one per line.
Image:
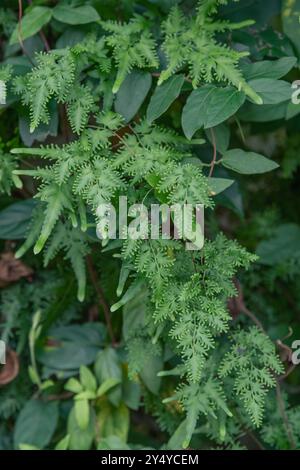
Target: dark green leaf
column 42, row 131
column 74, row 346
column 82, row 413
column 209, row 106
column 266, row 113
column 272, row 91
column 163, row 97
column 218, row 185
column 247, row 163
column 32, row 23
column 132, row 93
column 15, row 220
column 268, row 68
column 36, row 423
column 80, row 439
column 71, row 15
column 112, row 443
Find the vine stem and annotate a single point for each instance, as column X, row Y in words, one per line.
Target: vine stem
column 101, row 298
column 252, row 317
column 213, row 162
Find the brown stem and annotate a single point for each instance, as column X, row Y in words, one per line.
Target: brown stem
column 213, row 162
column 101, row 298
column 64, row 123
column 45, row 41
column 59, row 396
column 252, row 317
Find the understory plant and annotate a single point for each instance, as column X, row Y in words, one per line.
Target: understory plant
column 149, row 343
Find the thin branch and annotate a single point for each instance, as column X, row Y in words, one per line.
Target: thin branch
column 45, row 41
column 59, row 396
column 253, row 317
column 213, row 162
column 101, row 298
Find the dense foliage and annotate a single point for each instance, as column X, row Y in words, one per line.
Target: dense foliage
column 119, row 344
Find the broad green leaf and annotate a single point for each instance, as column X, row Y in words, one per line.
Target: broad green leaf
column 112, row 443
column 195, row 110
column 268, row 68
column 163, row 97
column 113, row 421
column 209, row 106
column 107, row 385
column 284, row 245
column 70, row 37
column 132, row 94
column 82, row 413
column 108, row 366
column 250, row 112
column 28, row 447
column 149, row 376
column 87, row 379
column 290, row 20
column 73, row 385
column 232, row 199
column 36, row 423
column 223, row 104
column 218, row 185
column 63, row 444
column 80, row 439
column 85, row 395
column 32, row 23
column 75, row 345
column 15, row 220
column 79, row 15
column 247, row 163
column 272, row 91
